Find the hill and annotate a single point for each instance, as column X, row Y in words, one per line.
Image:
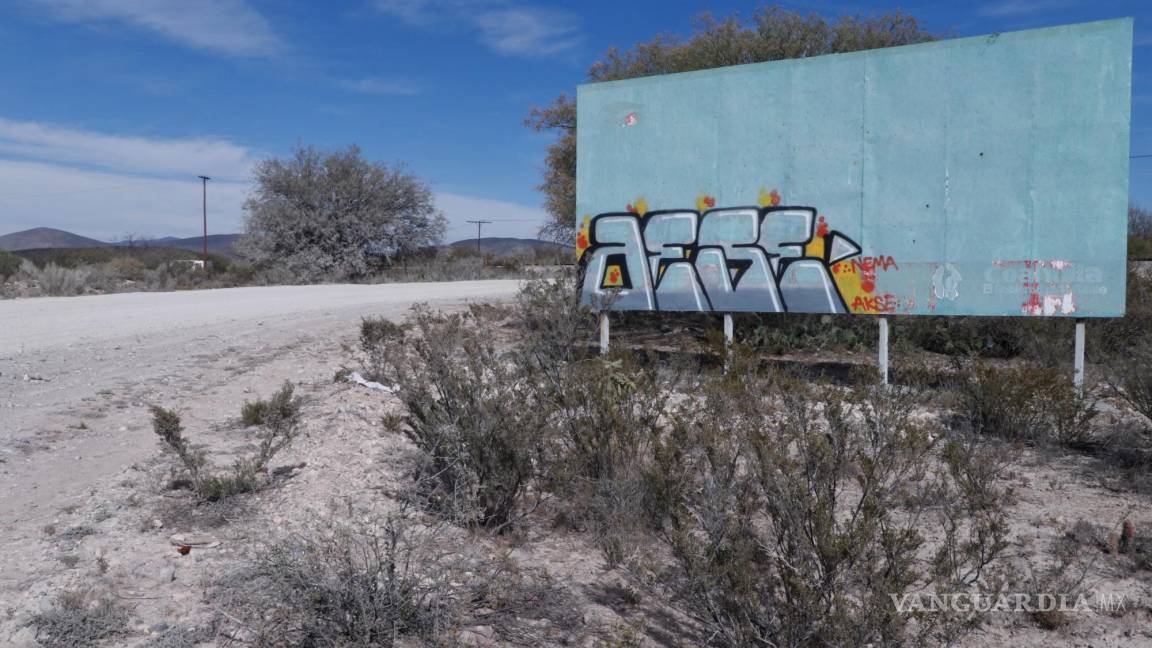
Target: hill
column 45, row 237
column 506, row 247
column 217, row 243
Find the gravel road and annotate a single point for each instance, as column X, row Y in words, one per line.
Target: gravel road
column 78, row 373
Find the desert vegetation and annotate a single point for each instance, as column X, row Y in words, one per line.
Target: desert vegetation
column 499, row 482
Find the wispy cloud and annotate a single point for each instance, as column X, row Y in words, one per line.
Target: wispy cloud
column 378, row 86
column 139, row 155
column 506, row 26
column 1007, row 8
column 106, row 205
column 508, row 218
column 229, row 27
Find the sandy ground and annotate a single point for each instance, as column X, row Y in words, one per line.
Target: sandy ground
column 81, row 499
column 77, row 375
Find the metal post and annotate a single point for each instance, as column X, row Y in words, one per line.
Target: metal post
column 204, row 184
column 479, row 224
column 883, row 350
column 603, row 332
column 1078, row 373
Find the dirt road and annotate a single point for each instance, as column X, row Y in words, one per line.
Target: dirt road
column 77, row 374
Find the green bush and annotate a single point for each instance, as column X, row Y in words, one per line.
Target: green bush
column 9, row 264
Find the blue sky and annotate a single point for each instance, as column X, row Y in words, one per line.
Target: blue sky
column 109, row 109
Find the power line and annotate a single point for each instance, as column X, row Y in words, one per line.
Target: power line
column 479, row 224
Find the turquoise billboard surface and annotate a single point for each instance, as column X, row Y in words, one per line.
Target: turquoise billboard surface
column 975, row 176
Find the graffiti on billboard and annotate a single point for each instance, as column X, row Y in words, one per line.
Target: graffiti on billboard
column 769, row 258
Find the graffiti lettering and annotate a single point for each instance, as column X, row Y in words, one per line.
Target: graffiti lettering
column 769, row 258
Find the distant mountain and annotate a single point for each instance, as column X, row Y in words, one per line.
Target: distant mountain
column 513, row 247
column 46, row 237
column 217, row 243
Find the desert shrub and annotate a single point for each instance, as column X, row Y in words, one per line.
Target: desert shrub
column 356, row 578
column 1131, row 379
column 281, row 408
column 279, row 427
column 1024, row 402
column 794, row 513
column 551, row 323
column 470, row 413
column 81, row 618
column 60, row 281
column 167, row 425
column 253, row 412
column 787, row 333
column 604, row 413
column 350, row 585
column 129, row 268
column 9, row 264
column 378, row 338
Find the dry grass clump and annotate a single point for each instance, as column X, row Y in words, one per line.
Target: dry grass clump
column 81, row 618
column 369, row 580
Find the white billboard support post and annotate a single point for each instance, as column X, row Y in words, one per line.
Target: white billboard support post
column 883, row 357
column 603, row 332
column 1078, row 362
column 728, row 326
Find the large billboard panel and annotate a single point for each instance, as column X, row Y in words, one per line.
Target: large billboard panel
column 975, row 176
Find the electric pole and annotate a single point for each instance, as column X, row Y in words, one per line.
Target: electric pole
column 204, row 183
column 479, row 224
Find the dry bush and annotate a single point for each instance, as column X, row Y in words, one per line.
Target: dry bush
column 1132, row 379
column 359, row 579
column 60, row 281
column 1024, row 402
column 469, row 411
column 378, row 338
column 346, row 585
column 81, row 618
column 279, row 427
column 553, row 327
column 794, row 512
column 603, row 415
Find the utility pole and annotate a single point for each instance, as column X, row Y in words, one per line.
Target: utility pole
column 479, row 224
column 204, row 182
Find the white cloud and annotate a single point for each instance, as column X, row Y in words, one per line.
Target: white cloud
column 528, row 31
column 509, row 218
column 105, row 205
column 138, row 155
column 378, row 86
column 503, row 25
column 229, row 27
column 102, row 186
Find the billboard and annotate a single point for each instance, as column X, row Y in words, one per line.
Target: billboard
column 975, row 176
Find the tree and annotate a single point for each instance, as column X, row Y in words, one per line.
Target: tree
column 336, row 215
column 770, row 34
column 1139, row 222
